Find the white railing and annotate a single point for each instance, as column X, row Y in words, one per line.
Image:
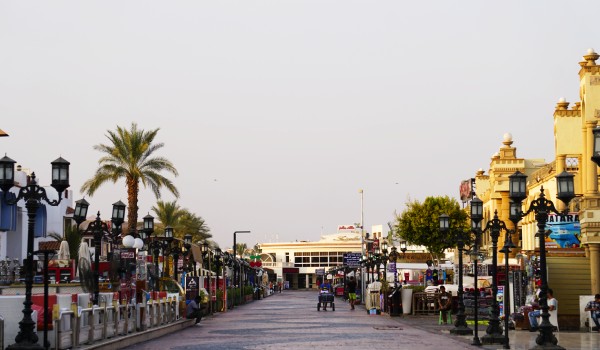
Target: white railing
column 90, row 325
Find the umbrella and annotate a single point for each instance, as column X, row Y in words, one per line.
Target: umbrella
column 84, row 270
column 63, row 251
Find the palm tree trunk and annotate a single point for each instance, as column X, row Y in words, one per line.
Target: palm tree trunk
column 133, row 189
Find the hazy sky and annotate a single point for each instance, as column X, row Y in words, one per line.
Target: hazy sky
column 277, row 112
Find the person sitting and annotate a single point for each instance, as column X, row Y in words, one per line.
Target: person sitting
column 326, row 286
column 594, row 308
column 193, row 309
column 552, row 307
column 445, row 303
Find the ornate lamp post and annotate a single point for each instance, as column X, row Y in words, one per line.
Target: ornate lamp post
column 206, row 255
column 394, row 258
column 506, row 249
column 168, row 239
column 384, row 258
column 148, row 228
column 542, row 207
column 460, row 326
column 98, row 229
column 33, row 196
column 494, row 329
column 476, row 217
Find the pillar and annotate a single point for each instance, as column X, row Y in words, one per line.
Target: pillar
column 595, row 266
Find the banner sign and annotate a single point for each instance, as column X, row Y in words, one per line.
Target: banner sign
column 566, row 231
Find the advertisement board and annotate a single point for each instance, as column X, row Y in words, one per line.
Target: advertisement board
column 565, row 231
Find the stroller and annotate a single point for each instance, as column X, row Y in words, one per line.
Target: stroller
column 325, row 297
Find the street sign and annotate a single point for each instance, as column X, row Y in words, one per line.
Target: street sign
column 352, row 260
column 391, row 267
column 320, row 272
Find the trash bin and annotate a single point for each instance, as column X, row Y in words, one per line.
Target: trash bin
column 395, row 302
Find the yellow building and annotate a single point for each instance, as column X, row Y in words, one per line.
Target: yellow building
column 573, row 257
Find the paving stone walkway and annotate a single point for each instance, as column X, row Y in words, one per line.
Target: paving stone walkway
column 290, row 320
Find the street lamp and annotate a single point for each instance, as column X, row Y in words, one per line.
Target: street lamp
column 542, row 207
column 506, row 249
column 384, row 258
column 476, row 217
column 97, row 229
column 403, row 247
column 33, row 194
column 460, row 326
column 494, row 329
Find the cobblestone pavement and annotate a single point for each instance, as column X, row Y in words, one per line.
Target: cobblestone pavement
column 290, row 320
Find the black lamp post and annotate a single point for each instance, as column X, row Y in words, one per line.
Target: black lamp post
column 33, row 196
column 494, row 329
column 542, row 207
column 97, row 229
column 476, row 217
column 460, row 326
column 394, row 258
column 148, row 228
column 506, row 249
column 384, row 258
column 168, row 239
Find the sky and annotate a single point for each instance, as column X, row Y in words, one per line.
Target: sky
column 276, row 113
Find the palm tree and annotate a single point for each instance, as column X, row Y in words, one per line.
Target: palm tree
column 168, row 213
column 130, row 156
column 240, row 249
column 190, row 223
column 182, row 220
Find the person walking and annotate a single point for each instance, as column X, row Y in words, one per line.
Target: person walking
column 552, row 307
column 445, row 303
column 594, row 308
column 193, row 309
column 351, row 290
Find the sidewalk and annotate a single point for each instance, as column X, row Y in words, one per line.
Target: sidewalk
column 518, row 339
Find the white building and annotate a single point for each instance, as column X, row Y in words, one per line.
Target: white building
column 14, row 219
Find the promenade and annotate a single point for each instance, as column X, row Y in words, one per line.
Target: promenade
column 290, row 320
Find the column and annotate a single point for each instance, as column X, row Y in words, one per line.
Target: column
column 595, row 266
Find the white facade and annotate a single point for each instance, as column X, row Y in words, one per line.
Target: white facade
column 13, row 244
column 297, row 262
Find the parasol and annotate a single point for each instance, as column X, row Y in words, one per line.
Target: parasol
column 63, row 251
column 84, row 269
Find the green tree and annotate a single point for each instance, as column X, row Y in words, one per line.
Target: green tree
column 190, row 223
column 419, row 224
column 130, row 156
column 168, row 213
column 182, row 220
column 240, row 249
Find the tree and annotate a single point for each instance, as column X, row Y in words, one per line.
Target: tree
column 190, row 223
column 130, row 156
column 168, row 213
column 182, row 220
column 419, row 224
column 240, row 249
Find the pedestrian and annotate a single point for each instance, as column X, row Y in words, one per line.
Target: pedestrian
column 193, row 309
column 552, row 307
column 445, row 303
column 594, row 308
column 351, row 290
column 279, row 286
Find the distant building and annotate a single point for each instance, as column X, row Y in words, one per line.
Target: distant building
column 297, row 262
